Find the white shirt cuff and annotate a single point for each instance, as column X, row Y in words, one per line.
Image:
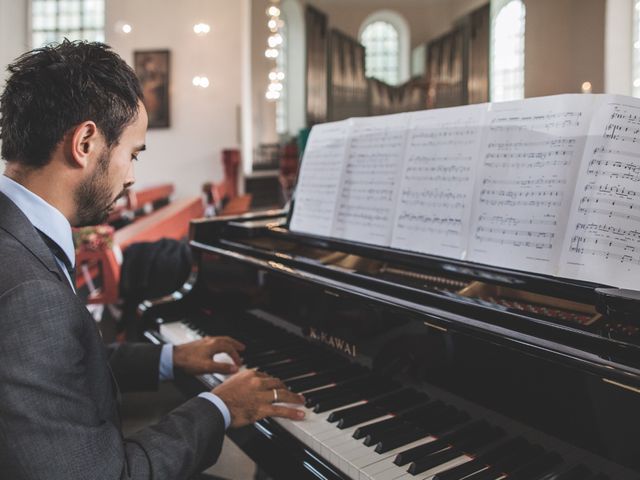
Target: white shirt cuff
column 221, row 406
column 166, row 363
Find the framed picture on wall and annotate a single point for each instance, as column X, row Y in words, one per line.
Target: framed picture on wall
column 153, row 69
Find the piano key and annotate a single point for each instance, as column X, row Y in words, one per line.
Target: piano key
column 387, row 403
column 407, row 415
column 348, row 396
column 324, row 378
column 443, row 442
column 469, row 443
column 400, row 439
column 578, row 472
column 537, row 467
column 483, row 459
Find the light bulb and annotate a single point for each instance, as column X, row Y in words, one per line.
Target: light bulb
column 273, row 11
column 126, row 28
column 280, row 75
column 586, row 87
column 271, row 53
column 273, row 76
column 200, row 81
column 273, row 40
column 201, row 28
column 273, row 25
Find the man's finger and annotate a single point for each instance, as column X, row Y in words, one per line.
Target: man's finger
column 270, row 383
column 285, row 412
column 224, row 368
column 236, row 344
column 284, row 396
column 224, row 346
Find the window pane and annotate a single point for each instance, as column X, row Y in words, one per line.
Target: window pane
column 507, row 53
column 53, row 20
column 382, row 48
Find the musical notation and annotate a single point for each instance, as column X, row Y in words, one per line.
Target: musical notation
column 603, row 240
column 366, row 205
column 319, row 179
column 435, row 199
column 528, row 165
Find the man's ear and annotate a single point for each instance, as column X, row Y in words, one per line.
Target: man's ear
column 86, row 142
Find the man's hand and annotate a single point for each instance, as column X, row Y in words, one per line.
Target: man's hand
column 249, row 396
column 197, row 357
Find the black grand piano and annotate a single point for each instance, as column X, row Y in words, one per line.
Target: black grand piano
column 414, row 366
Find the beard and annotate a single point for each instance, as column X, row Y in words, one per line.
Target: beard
column 94, row 197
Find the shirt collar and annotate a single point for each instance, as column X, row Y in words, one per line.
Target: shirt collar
column 43, row 216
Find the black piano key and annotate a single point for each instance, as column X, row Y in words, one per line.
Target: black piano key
column 420, row 451
column 537, row 467
column 578, row 472
column 366, row 430
column 406, row 417
column 376, row 437
column 386, row 402
column 361, row 417
column 487, row 474
column 483, row 459
column 291, row 370
column 399, row 440
column 519, row 458
column 433, row 461
column 351, row 396
column 469, row 442
column 324, row 378
column 312, row 398
column 507, row 463
column 461, row 471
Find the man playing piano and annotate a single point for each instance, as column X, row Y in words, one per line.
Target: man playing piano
column 72, row 123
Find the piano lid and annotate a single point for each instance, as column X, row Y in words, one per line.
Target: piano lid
column 579, row 321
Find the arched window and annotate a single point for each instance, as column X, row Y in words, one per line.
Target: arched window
column 507, row 51
column 636, row 48
column 385, row 36
column 53, row 20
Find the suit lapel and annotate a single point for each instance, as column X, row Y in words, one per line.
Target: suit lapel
column 16, row 224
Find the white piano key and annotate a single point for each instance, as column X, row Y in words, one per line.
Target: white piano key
column 335, row 445
column 374, row 469
column 429, row 474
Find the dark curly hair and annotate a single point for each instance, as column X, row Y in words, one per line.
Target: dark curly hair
column 54, row 88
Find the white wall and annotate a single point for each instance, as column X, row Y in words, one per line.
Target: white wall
column 203, row 121
column 13, row 36
column 13, row 32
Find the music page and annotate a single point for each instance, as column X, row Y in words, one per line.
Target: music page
column 319, row 178
column 602, row 243
column 436, row 190
column 366, row 201
column 532, row 150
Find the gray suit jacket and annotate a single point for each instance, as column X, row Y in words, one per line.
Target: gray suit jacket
column 58, row 395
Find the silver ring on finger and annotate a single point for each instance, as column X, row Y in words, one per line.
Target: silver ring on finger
column 275, row 396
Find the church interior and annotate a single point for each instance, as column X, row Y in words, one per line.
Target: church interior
column 489, row 332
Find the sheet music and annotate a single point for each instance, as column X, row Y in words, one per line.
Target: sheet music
column 366, row 203
column 524, row 186
column 434, row 203
column 603, row 233
column 319, row 179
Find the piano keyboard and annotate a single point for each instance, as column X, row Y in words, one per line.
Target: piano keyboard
column 372, row 428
